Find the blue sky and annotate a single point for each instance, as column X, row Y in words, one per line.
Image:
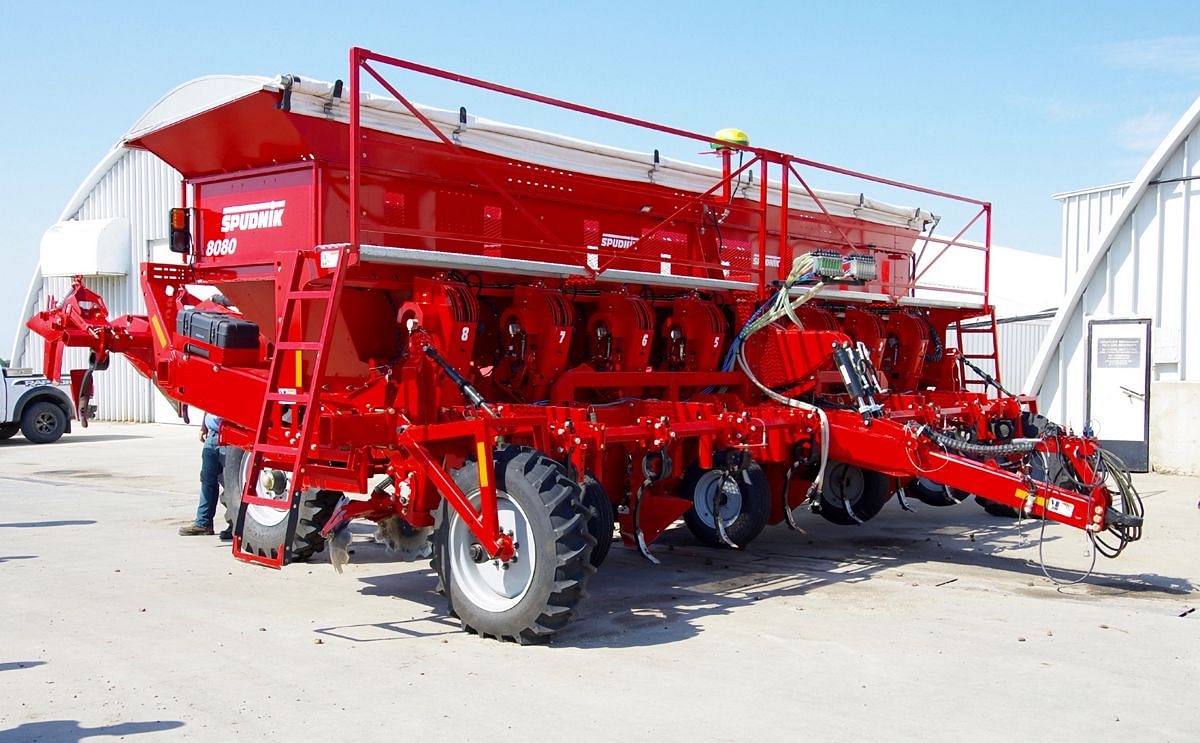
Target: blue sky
column 1008, row 102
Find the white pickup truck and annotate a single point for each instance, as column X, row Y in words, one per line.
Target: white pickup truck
column 35, row 406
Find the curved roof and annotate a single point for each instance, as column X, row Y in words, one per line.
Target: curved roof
column 1079, row 283
column 178, row 103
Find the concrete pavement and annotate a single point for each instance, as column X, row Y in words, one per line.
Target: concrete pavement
column 937, row 625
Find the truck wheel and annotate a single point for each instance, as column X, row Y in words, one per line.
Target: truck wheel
column 7, row 432
column 746, row 506
column 265, row 528
column 43, row 422
column 600, row 526
column 533, row 596
column 866, row 491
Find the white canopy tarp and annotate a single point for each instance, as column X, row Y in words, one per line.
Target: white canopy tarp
column 90, row 247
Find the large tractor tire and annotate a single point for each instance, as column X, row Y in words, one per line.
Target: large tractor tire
column 43, row 422
column 533, row 596
column 265, row 528
column 745, row 503
column 865, row 490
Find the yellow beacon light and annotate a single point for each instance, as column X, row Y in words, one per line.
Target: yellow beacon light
column 731, row 135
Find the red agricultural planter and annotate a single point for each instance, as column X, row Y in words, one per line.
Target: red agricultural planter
column 499, row 343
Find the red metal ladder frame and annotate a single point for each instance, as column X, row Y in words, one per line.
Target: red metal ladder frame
column 295, row 455
column 988, row 329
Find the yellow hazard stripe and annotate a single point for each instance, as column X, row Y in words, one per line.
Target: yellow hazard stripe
column 158, row 331
column 481, row 454
column 1024, row 495
column 299, row 371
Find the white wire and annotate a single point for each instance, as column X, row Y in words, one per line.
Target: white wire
column 794, row 403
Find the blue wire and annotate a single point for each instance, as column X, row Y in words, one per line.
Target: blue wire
column 731, row 356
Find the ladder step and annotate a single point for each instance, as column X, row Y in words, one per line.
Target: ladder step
column 278, row 505
column 979, row 356
column 298, row 346
column 336, row 478
column 292, row 397
column 276, row 450
column 310, row 294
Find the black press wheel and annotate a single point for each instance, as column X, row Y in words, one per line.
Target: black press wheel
column 43, row 422
column 600, row 526
column 9, row 430
column 266, row 528
column 999, row 510
column 745, row 503
column 865, row 490
column 533, row 596
column 935, row 494
column 1058, row 475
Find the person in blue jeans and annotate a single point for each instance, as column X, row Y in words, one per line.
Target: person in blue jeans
column 212, row 464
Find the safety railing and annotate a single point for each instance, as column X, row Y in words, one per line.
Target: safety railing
column 776, row 171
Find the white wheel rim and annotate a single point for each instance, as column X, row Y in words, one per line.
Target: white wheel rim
column 705, row 494
column 262, row 514
column 845, row 484
column 488, row 584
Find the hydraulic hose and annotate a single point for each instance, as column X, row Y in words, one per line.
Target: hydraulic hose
column 1016, row 446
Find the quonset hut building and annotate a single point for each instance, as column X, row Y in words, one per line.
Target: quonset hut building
column 1122, row 353
column 114, row 221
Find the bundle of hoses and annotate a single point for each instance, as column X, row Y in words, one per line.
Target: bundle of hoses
column 1131, row 505
column 784, row 306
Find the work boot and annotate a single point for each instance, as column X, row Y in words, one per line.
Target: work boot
column 226, row 534
column 195, row 530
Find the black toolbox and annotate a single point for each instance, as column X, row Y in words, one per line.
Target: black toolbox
column 217, row 329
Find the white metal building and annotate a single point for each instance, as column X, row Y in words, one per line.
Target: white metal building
column 115, row 220
column 1023, row 287
column 1123, row 350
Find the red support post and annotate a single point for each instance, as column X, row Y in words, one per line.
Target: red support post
column 356, row 151
column 785, row 256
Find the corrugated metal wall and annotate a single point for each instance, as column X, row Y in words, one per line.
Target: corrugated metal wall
column 1017, row 339
column 1085, row 214
column 141, row 188
column 1145, row 273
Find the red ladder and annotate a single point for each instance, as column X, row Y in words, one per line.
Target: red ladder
column 302, row 396
column 987, row 329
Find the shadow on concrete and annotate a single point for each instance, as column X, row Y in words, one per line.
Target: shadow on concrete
column 53, row 731
column 72, row 438
column 406, row 629
column 21, row 664
column 40, row 524
column 88, row 438
column 635, row 604
column 6, row 558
